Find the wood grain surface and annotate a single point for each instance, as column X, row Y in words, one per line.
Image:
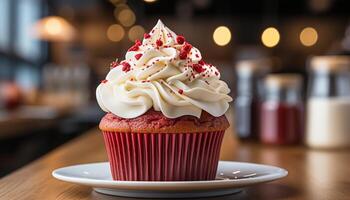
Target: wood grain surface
column 313, row 174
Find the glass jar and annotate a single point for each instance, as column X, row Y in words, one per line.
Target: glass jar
column 282, row 110
column 328, row 104
column 249, row 88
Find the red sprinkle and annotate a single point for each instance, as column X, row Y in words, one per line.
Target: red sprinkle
column 138, row 42
column 104, row 81
column 180, row 39
column 216, row 73
column 183, row 55
column 136, row 46
column 114, row 64
column 138, row 56
column 187, row 47
column 146, row 35
column 180, row 91
column 201, row 62
column 198, row 68
column 126, row 66
column 159, row 42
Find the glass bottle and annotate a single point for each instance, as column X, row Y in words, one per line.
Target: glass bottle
column 249, row 89
column 282, row 110
column 328, row 103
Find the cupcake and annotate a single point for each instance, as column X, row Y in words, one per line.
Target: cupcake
column 165, row 111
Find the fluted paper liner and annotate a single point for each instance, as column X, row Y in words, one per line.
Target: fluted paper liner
column 163, row 156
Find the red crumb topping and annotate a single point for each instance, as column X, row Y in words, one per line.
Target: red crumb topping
column 104, row 81
column 180, row 39
column 126, row 66
column 180, row 91
column 155, row 121
column 136, row 46
column 198, row 68
column 159, row 42
column 201, row 62
column 146, row 35
column 183, row 55
column 138, row 56
column 114, row 64
column 138, row 42
column 187, row 47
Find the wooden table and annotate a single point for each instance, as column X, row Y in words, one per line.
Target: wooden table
column 312, row 174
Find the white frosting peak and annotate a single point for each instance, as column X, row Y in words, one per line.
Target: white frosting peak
column 166, row 73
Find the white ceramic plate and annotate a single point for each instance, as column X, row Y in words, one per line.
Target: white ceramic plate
column 231, row 178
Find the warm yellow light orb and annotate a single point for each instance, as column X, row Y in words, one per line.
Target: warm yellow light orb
column 222, row 35
column 53, row 26
column 270, row 37
column 308, row 36
column 115, row 33
column 149, row 1
column 127, row 17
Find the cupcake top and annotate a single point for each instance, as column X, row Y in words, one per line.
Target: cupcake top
column 166, row 73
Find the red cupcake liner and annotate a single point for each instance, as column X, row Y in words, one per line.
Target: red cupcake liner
column 163, row 156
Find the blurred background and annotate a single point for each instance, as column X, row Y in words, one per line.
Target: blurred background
column 54, row 52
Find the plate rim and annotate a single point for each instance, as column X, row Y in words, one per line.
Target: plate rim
column 149, row 185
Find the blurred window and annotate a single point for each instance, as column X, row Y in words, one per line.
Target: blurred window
column 18, row 47
column 25, row 44
column 4, row 23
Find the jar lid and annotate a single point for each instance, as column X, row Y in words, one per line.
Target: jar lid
column 330, row 63
column 249, row 67
column 283, row 80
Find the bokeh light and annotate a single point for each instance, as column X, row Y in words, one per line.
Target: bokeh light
column 127, row 17
column 308, row 36
column 149, row 1
column 53, row 26
column 115, row 33
column 270, row 37
column 136, row 32
column 222, row 35
column 118, row 8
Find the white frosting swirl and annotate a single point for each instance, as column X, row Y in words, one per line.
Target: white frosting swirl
column 162, row 79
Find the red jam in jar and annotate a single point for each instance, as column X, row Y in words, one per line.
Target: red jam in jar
column 281, row 111
column 281, row 123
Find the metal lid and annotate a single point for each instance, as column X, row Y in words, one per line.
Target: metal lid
column 330, row 63
column 249, row 67
column 283, row 80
